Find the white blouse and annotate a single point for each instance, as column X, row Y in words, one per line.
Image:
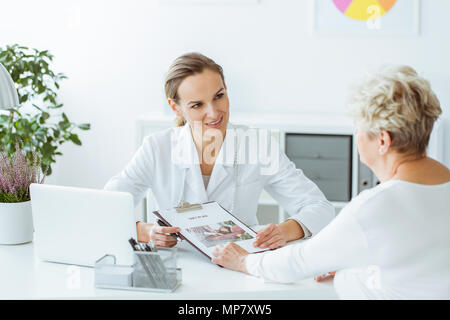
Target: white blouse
column 389, row 242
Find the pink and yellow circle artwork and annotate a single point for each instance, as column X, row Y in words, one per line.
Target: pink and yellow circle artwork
column 364, row 9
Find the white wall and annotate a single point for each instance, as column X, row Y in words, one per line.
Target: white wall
column 116, row 53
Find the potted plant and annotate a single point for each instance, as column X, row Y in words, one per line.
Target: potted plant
column 16, row 176
column 45, row 127
column 27, row 81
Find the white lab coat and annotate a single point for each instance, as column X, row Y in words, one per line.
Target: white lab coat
column 167, row 163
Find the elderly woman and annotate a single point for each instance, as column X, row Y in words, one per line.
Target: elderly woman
column 389, row 242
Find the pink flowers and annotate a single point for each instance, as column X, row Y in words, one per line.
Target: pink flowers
column 16, row 175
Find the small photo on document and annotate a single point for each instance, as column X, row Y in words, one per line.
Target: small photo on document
column 219, row 233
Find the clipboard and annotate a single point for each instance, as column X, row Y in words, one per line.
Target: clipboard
column 219, row 228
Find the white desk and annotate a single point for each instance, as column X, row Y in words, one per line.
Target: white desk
column 23, row 276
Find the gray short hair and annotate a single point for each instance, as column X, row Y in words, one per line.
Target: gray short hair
column 398, row 100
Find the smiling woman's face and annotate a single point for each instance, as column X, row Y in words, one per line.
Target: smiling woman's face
column 203, row 100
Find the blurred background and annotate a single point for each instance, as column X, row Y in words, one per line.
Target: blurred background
column 116, row 53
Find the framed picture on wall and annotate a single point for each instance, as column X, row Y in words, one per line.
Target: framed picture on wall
column 366, row 17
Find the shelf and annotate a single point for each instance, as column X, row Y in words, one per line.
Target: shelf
column 266, row 200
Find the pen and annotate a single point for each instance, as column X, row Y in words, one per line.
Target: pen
column 158, row 262
column 142, row 247
column 136, row 247
column 150, row 246
column 155, row 263
column 162, row 224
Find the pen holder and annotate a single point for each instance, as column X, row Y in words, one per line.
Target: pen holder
column 152, row 271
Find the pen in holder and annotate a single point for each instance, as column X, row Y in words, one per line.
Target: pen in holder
column 153, row 270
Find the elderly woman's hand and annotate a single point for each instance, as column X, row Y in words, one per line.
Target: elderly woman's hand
column 230, row 256
column 326, row 276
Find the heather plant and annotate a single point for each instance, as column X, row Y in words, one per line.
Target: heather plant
column 16, row 175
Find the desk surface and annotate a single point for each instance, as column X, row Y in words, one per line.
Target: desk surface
column 24, row 276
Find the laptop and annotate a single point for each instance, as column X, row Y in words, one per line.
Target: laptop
column 79, row 226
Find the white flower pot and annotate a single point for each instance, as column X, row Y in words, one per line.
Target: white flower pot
column 16, row 223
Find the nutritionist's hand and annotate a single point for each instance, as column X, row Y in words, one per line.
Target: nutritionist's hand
column 158, row 234
column 271, row 237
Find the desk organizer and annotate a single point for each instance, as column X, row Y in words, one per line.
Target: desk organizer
column 152, row 271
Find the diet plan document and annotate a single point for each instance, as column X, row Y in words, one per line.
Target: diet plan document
column 208, row 225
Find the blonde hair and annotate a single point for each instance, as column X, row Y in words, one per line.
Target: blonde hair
column 183, row 67
column 398, row 100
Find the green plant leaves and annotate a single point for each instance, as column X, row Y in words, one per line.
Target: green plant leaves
column 3, row 118
column 74, row 138
column 57, row 106
column 64, row 125
column 46, row 130
column 44, row 116
column 84, row 126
